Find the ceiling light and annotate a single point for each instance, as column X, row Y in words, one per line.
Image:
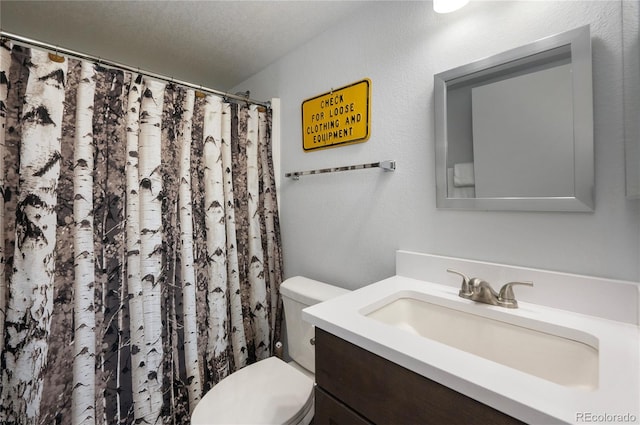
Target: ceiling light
column 446, row 6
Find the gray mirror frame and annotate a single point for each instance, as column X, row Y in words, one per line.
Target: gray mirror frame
column 631, row 88
column 579, row 40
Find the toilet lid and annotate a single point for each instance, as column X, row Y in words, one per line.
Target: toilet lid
column 267, row 392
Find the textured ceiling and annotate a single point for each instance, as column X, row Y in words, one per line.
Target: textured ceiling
column 217, row 44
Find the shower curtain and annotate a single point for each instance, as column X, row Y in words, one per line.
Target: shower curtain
column 140, row 256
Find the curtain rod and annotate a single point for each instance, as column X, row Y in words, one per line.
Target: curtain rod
column 83, row 56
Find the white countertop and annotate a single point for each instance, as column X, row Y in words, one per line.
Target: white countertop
column 523, row 396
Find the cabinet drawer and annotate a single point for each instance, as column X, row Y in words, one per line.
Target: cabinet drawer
column 384, row 392
column 333, row 412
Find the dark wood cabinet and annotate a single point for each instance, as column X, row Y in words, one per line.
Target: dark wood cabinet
column 356, row 386
column 330, row 410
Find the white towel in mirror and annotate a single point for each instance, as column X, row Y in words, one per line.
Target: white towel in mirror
column 458, row 192
column 463, row 174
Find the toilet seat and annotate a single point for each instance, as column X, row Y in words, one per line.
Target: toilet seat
column 267, row 392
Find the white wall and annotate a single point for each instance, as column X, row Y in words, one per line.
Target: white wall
column 345, row 227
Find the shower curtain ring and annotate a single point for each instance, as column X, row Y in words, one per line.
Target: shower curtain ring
column 54, row 57
column 199, row 93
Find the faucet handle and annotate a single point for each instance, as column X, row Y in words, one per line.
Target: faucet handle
column 506, row 297
column 466, row 290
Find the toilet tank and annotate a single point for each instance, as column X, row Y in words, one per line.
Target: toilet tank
column 298, row 293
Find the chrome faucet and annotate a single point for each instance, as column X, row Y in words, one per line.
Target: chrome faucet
column 479, row 290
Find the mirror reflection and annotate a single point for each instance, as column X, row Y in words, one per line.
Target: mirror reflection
column 514, row 131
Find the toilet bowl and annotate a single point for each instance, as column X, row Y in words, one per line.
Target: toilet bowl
column 267, row 392
column 272, row 391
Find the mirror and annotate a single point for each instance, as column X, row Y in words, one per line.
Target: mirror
column 514, row 131
column 631, row 88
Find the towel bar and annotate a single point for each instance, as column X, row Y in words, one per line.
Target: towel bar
column 388, row 165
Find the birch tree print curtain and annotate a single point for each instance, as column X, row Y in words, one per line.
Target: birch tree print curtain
column 139, row 243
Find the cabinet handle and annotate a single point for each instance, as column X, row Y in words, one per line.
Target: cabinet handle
column 312, row 341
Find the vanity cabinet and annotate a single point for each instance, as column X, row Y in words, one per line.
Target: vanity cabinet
column 355, row 386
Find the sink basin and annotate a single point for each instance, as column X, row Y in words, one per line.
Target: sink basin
column 560, row 355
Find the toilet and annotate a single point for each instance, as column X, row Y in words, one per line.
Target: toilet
column 272, row 391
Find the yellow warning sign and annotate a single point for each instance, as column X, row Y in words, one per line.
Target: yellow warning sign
column 340, row 117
